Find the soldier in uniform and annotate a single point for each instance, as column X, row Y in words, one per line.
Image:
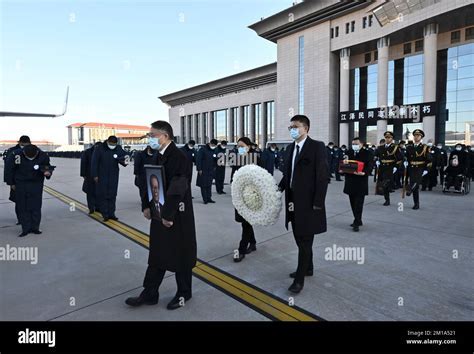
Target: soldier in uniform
column 389, row 159
column 418, row 164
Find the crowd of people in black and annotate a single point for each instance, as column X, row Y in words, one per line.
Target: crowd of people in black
column 307, row 168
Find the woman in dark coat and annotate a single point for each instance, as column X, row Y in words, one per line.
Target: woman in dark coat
column 246, row 156
column 357, row 185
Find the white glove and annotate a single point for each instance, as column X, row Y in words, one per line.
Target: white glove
column 377, row 163
column 424, row 173
column 405, row 164
column 394, row 169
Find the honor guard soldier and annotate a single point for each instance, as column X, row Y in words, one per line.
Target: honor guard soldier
column 389, row 159
column 418, row 164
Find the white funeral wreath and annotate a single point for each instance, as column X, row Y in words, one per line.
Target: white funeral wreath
column 256, row 196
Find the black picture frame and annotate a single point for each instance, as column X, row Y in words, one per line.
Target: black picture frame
column 155, row 188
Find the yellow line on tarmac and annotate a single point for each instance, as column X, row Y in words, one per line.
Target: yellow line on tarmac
column 258, row 299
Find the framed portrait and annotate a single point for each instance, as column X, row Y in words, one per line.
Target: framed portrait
column 155, row 181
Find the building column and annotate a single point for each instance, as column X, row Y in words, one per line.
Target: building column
column 195, row 127
column 382, row 82
column 344, row 89
column 202, row 126
column 241, row 121
column 430, row 49
column 264, row 125
column 210, row 125
column 252, row 122
column 230, row 124
column 189, row 128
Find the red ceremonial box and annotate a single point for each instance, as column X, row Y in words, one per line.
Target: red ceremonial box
column 351, row 166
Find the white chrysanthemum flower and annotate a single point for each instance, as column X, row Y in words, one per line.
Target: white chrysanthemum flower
column 255, row 195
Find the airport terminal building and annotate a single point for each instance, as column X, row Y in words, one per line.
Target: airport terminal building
column 354, row 68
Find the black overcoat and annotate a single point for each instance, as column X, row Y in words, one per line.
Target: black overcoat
column 206, row 161
column 354, row 184
column 311, row 178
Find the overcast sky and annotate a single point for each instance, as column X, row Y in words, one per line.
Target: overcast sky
column 118, row 57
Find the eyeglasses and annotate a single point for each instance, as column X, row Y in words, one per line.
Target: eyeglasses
column 294, row 126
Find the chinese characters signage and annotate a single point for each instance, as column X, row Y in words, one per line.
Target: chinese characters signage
column 409, row 113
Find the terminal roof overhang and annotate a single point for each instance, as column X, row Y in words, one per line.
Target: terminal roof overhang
column 304, row 15
column 260, row 76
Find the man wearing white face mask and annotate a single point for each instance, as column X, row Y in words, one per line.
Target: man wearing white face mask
column 305, row 182
column 105, row 171
column 418, row 163
column 356, row 184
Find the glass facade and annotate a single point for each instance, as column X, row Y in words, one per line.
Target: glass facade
column 413, row 78
column 372, row 86
column 258, row 123
column 220, row 125
column 459, row 93
column 301, row 75
column 270, row 120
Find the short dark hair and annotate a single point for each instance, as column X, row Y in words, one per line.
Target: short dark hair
column 191, row 142
column 246, row 141
column 112, row 139
column 382, row 141
column 330, row 143
column 30, row 150
column 302, row 119
column 223, row 142
column 24, row 139
column 213, row 141
column 356, row 138
column 164, row 126
column 153, row 176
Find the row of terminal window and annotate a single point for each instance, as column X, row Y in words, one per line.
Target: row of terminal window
column 367, row 21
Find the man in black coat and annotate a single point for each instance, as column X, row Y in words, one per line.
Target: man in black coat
column 105, row 171
column 330, row 157
column 442, row 162
column 88, row 186
column 356, row 184
column 26, row 178
column 9, row 158
column 142, row 158
column 173, row 238
column 305, row 182
column 270, row 158
column 190, row 151
column 221, row 166
column 206, row 163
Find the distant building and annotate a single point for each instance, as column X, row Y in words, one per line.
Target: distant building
column 89, row 133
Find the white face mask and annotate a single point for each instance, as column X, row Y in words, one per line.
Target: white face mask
column 30, row 158
column 212, row 147
column 356, row 147
column 430, row 144
column 111, row 147
column 440, row 146
column 458, row 148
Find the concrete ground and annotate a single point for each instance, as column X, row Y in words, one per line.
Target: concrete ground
column 417, row 265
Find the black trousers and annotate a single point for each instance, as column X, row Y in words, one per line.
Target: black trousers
column 206, row 193
column 357, row 206
column 220, row 177
column 28, row 205
column 154, row 276
column 441, row 175
column 305, row 255
column 248, row 237
column 107, row 206
column 92, row 201
column 416, row 194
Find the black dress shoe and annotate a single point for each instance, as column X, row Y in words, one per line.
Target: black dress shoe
column 177, row 302
column 386, row 203
column 114, row 218
column 211, row 201
column 356, row 224
column 309, row 273
column 23, row 234
column 205, row 203
column 430, row 189
column 356, row 228
column 223, row 192
column 106, row 219
column 91, row 211
column 416, row 207
column 295, row 287
column 408, row 192
column 141, row 300
column 239, row 258
column 251, row 249
column 36, row 232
